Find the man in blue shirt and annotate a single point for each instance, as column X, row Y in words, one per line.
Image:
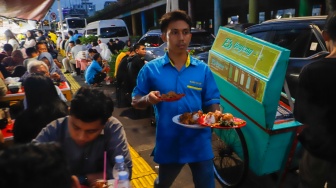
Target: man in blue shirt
column 95, row 74
column 179, row 72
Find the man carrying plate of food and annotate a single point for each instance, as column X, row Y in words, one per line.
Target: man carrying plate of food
column 195, row 88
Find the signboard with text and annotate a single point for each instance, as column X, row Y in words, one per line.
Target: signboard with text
column 249, row 73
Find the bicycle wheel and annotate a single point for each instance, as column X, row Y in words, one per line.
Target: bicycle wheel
column 231, row 156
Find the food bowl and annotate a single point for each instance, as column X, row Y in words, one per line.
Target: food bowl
column 14, row 90
column 14, row 87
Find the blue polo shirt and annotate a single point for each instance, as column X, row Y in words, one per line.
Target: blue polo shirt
column 91, row 71
column 175, row 143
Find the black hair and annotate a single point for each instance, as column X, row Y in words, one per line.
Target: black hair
column 40, row 31
column 91, row 104
column 76, row 32
column 39, row 90
column 78, row 41
column 72, row 42
column 96, row 56
column 70, row 32
column 176, row 15
column 30, row 51
column 137, row 46
column 32, row 35
column 131, row 49
column 8, row 48
column 92, row 50
column 37, row 165
column 43, row 106
column 39, row 43
column 95, row 43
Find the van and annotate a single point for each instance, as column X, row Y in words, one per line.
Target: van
column 108, row 29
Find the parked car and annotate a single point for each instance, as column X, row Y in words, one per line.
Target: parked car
column 301, row 35
column 201, row 41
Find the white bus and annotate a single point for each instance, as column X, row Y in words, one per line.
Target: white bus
column 74, row 23
column 108, row 29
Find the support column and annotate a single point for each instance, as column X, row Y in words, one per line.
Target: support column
column 305, row 8
column 217, row 15
column 172, row 5
column 155, row 17
column 190, row 9
column 253, row 12
column 134, row 25
column 143, row 22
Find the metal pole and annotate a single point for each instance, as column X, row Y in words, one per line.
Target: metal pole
column 168, row 6
column 174, row 5
column 217, row 15
column 60, row 17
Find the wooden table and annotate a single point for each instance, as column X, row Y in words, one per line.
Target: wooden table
column 64, row 87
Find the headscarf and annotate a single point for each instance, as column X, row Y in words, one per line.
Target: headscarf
column 47, row 55
column 105, row 53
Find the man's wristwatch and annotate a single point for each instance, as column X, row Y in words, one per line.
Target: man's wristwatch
column 83, row 180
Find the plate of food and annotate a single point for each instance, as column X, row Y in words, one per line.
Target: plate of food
column 188, row 120
column 220, row 120
column 216, row 119
column 171, row 96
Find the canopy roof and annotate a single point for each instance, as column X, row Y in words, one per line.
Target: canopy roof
column 25, row 9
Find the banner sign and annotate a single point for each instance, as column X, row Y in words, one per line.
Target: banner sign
column 25, row 9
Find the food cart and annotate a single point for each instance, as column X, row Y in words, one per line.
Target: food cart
column 250, row 74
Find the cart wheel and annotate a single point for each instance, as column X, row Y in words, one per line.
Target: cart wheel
column 231, row 156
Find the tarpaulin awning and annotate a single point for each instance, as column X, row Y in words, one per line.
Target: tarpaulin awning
column 25, row 9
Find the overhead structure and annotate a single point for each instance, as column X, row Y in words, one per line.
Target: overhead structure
column 25, row 9
column 172, row 5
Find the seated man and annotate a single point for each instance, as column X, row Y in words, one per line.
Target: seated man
column 32, row 56
column 35, row 165
column 68, row 60
column 87, row 133
column 95, row 74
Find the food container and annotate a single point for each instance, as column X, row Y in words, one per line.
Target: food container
column 14, row 87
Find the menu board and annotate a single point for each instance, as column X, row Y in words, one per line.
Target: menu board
column 254, row 55
column 237, row 76
column 249, row 73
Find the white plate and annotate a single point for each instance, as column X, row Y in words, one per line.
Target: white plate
column 193, row 126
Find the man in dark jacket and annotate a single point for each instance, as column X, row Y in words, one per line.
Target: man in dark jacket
column 315, row 104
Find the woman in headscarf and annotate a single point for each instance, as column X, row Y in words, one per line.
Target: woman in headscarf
column 55, row 73
column 105, row 53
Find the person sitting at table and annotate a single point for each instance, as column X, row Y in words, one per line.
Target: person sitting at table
column 54, row 72
column 32, row 55
column 39, row 67
column 87, row 133
column 35, row 165
column 95, row 74
column 43, row 106
column 14, row 64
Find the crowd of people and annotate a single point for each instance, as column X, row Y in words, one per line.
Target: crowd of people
column 72, row 140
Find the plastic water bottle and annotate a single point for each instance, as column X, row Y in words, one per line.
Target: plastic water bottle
column 123, row 181
column 119, row 166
